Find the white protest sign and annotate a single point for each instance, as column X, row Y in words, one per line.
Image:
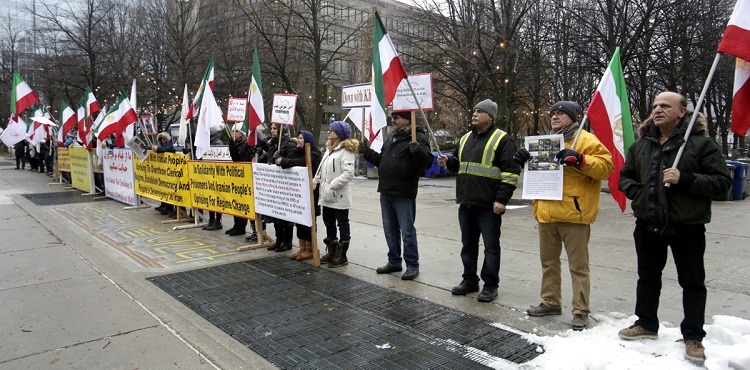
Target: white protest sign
column 236, row 110
column 356, row 96
column 282, row 193
column 404, row 100
column 119, row 176
column 283, row 109
column 217, row 153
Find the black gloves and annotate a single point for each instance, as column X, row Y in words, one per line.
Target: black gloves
column 363, row 145
column 521, row 156
column 414, row 148
column 570, row 156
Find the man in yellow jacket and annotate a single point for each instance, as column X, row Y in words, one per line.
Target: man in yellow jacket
column 568, row 221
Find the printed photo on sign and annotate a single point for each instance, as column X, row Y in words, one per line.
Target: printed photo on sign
column 284, row 106
column 543, row 176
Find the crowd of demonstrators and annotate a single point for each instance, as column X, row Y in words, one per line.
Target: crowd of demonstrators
column 486, row 177
column 568, row 221
column 333, row 178
column 672, row 216
column 400, row 163
column 280, row 145
column 297, row 158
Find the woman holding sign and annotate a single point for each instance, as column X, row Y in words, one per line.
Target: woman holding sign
column 297, row 159
column 334, row 179
column 284, row 230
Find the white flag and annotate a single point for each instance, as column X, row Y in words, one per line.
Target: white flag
column 209, row 118
column 182, row 134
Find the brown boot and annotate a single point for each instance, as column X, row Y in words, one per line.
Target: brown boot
column 301, row 248
column 331, row 246
column 306, row 251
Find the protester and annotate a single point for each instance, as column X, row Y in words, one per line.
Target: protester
column 240, row 152
column 400, row 163
column 568, row 221
column 297, row 159
column 259, row 148
column 165, row 145
column 50, row 157
column 283, row 230
column 487, row 177
column 31, row 157
column 41, row 155
column 20, row 152
column 672, row 216
column 334, row 179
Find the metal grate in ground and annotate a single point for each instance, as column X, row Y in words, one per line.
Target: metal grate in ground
column 297, row 316
column 58, row 197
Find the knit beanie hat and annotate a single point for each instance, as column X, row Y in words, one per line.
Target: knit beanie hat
column 309, row 138
column 488, row 106
column 406, row 115
column 570, row 108
column 342, row 129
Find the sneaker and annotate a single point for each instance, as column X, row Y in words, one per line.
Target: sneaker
column 694, row 351
column 636, row 331
column 465, row 287
column 488, row 294
column 410, row 274
column 543, row 310
column 252, row 238
column 580, row 322
column 388, row 268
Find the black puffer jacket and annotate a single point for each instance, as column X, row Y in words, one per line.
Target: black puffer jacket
column 479, row 191
column 240, row 151
column 703, row 174
column 287, row 147
column 398, row 169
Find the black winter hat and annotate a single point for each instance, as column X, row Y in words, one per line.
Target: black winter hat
column 570, row 108
column 406, row 115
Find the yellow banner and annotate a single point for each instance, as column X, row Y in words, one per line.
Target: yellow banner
column 225, row 187
column 163, row 177
column 79, row 168
column 63, row 159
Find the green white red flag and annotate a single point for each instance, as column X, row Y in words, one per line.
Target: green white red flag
column 741, row 100
column 68, row 119
column 609, row 113
column 208, row 80
column 116, row 120
column 254, row 114
column 736, row 38
column 387, row 73
column 21, row 95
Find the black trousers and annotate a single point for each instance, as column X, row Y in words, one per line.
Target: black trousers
column 687, row 250
column 239, row 223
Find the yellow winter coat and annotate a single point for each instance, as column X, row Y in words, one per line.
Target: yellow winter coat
column 581, row 187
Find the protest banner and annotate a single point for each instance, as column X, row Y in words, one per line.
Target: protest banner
column 163, row 176
column 224, row 187
column 283, row 193
column 80, row 170
column 119, row 176
column 63, row 160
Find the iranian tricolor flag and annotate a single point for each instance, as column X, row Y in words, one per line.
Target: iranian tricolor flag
column 736, row 39
column 92, row 105
column 208, row 80
column 182, row 133
column 387, row 73
column 741, row 100
column 21, row 95
column 609, row 113
column 68, row 119
column 254, row 114
column 82, row 126
column 116, row 120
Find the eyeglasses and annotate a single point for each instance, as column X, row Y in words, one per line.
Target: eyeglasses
column 557, row 113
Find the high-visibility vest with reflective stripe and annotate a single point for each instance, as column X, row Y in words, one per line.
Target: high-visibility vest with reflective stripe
column 485, row 168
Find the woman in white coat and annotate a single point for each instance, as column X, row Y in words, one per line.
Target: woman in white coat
column 334, row 178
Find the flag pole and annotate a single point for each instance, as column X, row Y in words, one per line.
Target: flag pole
column 424, row 117
column 696, row 111
column 578, row 132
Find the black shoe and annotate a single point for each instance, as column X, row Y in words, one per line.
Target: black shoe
column 388, row 268
column 275, row 245
column 209, row 224
column 284, row 247
column 252, row 237
column 216, row 226
column 235, row 232
column 465, row 287
column 410, row 274
column 488, row 294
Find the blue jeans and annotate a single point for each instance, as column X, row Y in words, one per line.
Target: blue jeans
column 331, row 217
column 476, row 221
column 399, row 214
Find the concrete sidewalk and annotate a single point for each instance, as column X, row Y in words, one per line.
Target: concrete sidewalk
column 75, row 294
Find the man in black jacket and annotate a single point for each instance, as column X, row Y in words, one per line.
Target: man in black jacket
column 487, row 177
column 672, row 216
column 400, row 163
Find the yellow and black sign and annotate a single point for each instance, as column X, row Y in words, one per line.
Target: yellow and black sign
column 80, row 172
column 163, row 177
column 225, row 187
column 63, row 159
